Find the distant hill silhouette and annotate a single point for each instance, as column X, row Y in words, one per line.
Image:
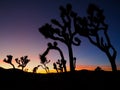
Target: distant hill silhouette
column 79, row 80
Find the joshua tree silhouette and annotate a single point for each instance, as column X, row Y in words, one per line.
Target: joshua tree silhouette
column 55, row 66
column 64, row 32
column 35, row 69
column 44, row 61
column 22, row 62
column 55, row 47
column 91, row 27
column 60, row 65
column 9, row 60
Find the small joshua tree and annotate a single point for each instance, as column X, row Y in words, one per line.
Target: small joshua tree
column 35, row 69
column 60, row 65
column 22, row 62
column 55, row 67
column 9, row 60
column 44, row 61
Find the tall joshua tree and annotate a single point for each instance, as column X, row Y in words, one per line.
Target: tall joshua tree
column 91, row 27
column 22, row 62
column 63, row 31
column 9, row 60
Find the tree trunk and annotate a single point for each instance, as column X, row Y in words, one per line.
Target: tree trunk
column 72, row 69
column 12, row 65
column 22, row 68
column 112, row 62
column 113, row 65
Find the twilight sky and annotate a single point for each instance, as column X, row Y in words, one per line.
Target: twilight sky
column 19, row 35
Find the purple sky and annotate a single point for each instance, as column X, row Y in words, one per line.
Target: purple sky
column 19, row 35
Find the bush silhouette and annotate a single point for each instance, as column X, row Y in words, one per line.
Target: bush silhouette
column 98, row 68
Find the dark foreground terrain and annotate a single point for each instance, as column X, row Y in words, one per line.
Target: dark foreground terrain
column 80, row 80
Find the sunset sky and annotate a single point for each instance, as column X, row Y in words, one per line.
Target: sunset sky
column 19, row 34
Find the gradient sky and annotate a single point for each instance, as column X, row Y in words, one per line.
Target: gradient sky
column 19, row 35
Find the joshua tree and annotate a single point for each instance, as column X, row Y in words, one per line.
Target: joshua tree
column 94, row 28
column 55, row 47
column 22, row 62
column 9, row 60
column 55, row 66
column 60, row 65
column 35, row 69
column 63, row 31
column 44, row 61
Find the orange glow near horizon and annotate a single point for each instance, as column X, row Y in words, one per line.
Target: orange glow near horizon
column 29, row 67
column 92, row 67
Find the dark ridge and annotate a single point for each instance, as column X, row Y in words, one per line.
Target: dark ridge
column 85, row 79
